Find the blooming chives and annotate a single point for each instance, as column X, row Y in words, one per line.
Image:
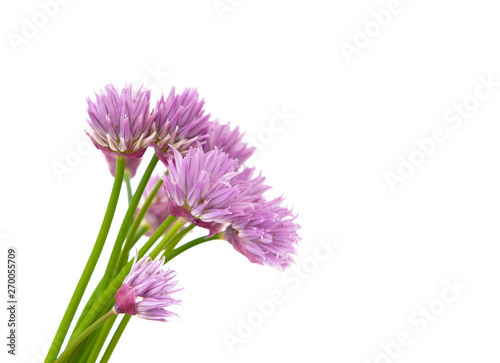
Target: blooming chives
column 121, row 123
column 147, row 290
column 228, row 140
column 199, row 189
column 181, row 122
column 265, row 235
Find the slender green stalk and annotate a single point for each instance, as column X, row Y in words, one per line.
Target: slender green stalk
column 178, row 237
column 189, row 245
column 101, row 339
column 115, row 339
column 104, row 298
column 169, row 236
column 127, row 220
column 91, row 263
column 75, row 356
column 126, row 178
column 135, row 226
column 84, row 334
column 166, row 241
column 87, row 307
column 100, row 286
column 82, row 351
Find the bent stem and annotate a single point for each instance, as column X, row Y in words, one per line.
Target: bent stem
column 84, row 334
column 172, row 254
column 91, row 263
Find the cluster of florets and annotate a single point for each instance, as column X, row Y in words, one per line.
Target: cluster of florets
column 206, row 182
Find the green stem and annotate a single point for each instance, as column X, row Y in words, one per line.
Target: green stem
column 127, row 220
column 165, row 241
column 126, row 178
column 144, row 229
column 104, row 298
column 189, row 245
column 101, row 339
column 135, row 226
column 82, row 351
column 169, row 236
column 85, row 334
column 115, row 339
column 178, row 237
column 91, row 263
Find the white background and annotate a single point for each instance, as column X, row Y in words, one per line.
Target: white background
column 353, row 121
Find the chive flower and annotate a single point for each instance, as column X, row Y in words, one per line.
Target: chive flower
column 181, row 122
column 147, row 290
column 121, row 123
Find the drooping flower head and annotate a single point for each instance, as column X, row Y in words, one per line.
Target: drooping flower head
column 121, row 123
column 158, row 210
column 181, row 122
column 147, row 290
column 265, row 234
column 199, row 189
column 228, row 140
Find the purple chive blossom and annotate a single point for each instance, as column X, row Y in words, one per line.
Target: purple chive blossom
column 199, row 189
column 121, row 123
column 147, row 290
column 252, row 189
column 180, row 122
column 266, row 234
column 229, row 141
column 158, row 210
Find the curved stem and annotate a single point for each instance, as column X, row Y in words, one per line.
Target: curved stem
column 84, row 334
column 91, row 263
column 115, row 339
column 178, row 237
column 169, row 236
column 189, row 245
column 135, row 226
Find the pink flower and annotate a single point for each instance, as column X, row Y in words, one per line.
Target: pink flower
column 147, row 290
